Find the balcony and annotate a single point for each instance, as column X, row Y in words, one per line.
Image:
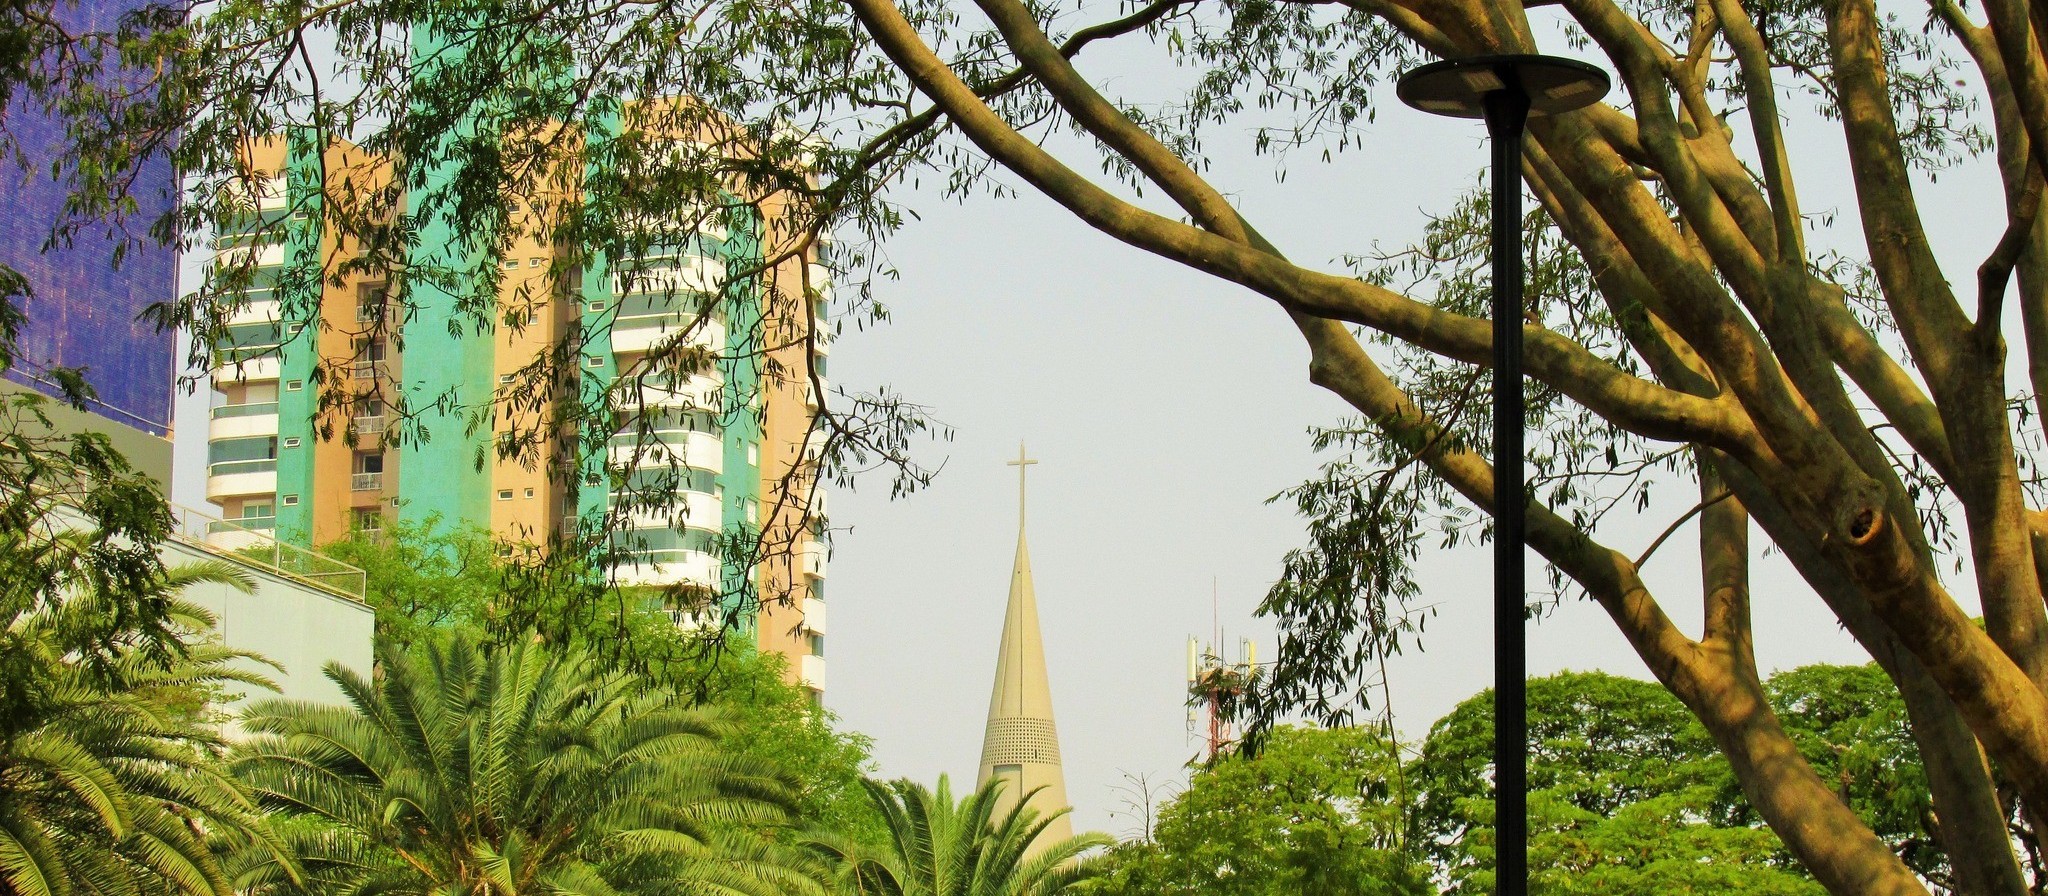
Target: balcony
column 642, row 332
column 240, row 534
column 814, row 616
column 694, row 392
column 812, row 559
column 372, row 370
column 668, row 568
column 237, row 478
column 247, row 364
column 239, row 421
column 366, row 482
column 812, row 671
column 696, row 450
column 256, row 311
column 367, row 425
column 692, row 509
column 267, row 255
column 690, row 274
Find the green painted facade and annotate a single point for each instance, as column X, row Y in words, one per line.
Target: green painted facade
column 448, row 366
column 299, row 294
column 739, row 396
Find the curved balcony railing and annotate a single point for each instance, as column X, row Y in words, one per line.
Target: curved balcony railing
column 231, row 467
column 252, row 409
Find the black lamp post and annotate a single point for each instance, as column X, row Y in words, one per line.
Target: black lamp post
column 1506, row 90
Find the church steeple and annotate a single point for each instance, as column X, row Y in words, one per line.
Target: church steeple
column 1020, row 744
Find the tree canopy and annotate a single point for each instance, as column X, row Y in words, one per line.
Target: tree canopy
column 1852, row 404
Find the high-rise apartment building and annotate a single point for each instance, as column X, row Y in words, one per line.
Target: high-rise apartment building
column 725, row 446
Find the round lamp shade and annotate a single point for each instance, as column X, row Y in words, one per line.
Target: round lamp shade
column 1458, row 87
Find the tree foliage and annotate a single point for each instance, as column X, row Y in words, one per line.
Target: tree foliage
column 1824, row 379
column 525, row 768
column 934, row 846
column 1318, row 811
column 109, row 774
column 1628, row 795
column 432, row 584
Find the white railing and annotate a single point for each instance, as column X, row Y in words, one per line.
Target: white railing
column 368, row 424
column 366, row 482
column 245, row 543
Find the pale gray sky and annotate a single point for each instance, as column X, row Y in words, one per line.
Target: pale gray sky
column 1165, row 407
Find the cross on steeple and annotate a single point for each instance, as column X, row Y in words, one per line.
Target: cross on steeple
column 1023, row 464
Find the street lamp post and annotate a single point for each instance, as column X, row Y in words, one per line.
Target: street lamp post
column 1506, row 91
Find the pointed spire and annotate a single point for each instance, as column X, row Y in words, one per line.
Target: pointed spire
column 1020, row 743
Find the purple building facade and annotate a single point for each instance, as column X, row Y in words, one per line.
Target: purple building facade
column 85, row 310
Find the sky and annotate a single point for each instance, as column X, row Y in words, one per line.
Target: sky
column 1165, row 408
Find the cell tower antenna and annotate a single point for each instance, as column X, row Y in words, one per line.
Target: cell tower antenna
column 1212, row 680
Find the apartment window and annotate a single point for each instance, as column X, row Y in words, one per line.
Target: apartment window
column 369, row 462
column 529, row 493
column 369, row 520
column 536, row 262
column 504, row 379
column 753, row 511
column 290, row 501
column 257, row 510
column 504, row 494
column 511, row 264
column 370, row 349
column 596, row 306
column 289, row 442
column 818, row 646
column 753, row 455
column 294, row 385
column 594, row 361
column 369, row 302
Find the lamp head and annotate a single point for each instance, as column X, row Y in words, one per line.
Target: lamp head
column 1458, row 87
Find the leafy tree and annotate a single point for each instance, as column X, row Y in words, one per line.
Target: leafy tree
column 936, row 846
column 1629, row 795
column 424, row 579
column 431, row 583
column 522, row 769
column 109, row 777
column 1689, row 323
column 1318, row 811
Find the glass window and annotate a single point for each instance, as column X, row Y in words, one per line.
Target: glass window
column 253, row 448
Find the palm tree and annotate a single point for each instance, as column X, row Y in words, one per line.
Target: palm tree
column 109, row 768
column 525, row 769
column 939, row 848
